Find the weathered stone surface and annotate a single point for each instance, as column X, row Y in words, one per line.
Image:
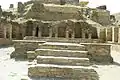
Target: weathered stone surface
column 63, row 60
column 62, row 53
column 66, row 73
column 99, row 52
column 62, row 46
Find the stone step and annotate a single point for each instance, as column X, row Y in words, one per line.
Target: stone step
column 63, row 60
column 64, row 72
column 62, row 46
column 61, row 53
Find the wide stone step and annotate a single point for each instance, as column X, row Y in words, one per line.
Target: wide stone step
column 62, row 46
column 61, row 53
column 64, row 72
column 63, row 60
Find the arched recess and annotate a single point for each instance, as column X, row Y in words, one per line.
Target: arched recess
column 61, row 31
column 78, row 30
column 45, row 30
column 29, row 28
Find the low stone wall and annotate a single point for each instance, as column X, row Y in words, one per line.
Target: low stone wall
column 99, row 52
column 22, row 46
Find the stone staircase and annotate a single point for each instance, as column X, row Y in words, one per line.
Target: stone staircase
column 61, row 61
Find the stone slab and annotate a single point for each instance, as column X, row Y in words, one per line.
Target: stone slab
column 63, row 60
column 65, row 72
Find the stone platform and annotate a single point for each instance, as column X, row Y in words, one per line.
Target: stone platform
column 64, row 72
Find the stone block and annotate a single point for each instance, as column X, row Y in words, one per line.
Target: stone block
column 63, row 60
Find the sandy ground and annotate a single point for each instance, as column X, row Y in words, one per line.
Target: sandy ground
column 13, row 70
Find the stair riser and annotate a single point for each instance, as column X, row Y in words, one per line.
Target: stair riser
column 63, row 47
column 63, row 62
column 61, row 53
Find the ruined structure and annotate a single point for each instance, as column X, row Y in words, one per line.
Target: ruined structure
column 56, row 32
column 42, row 19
